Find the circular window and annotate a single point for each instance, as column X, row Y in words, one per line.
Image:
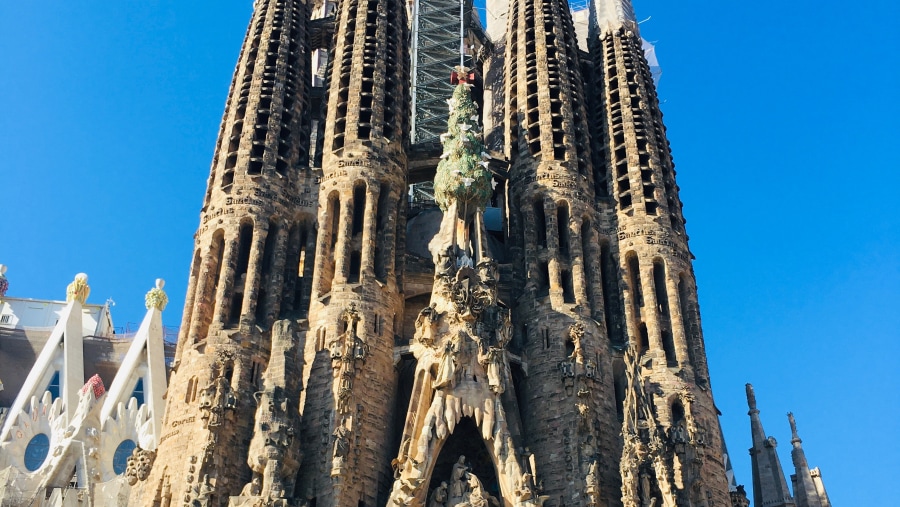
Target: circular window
column 120, row 458
column 36, row 451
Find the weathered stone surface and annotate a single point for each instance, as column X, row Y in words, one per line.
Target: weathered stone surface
column 555, row 359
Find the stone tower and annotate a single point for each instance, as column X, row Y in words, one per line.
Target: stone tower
column 672, row 448
column 372, row 353
column 566, row 401
column 252, row 265
column 357, row 291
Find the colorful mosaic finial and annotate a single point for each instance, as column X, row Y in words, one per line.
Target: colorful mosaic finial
column 79, row 289
column 156, row 297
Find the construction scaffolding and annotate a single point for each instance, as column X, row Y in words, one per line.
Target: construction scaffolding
column 439, row 37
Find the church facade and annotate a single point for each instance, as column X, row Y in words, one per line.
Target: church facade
column 504, row 315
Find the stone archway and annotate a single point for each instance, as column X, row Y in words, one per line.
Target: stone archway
column 465, row 441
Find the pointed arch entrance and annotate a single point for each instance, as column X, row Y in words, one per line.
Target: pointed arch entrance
column 466, row 441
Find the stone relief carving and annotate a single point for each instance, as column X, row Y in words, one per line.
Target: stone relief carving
column 465, row 490
column 348, row 352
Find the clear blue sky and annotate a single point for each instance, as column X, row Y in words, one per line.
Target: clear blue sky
column 783, row 122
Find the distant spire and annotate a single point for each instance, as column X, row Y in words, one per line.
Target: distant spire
column 751, row 397
column 804, row 489
column 769, row 486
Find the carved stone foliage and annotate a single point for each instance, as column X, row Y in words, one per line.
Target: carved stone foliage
column 139, row 465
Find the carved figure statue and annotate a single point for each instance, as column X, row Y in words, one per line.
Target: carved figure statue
column 477, row 496
column 341, row 445
column 525, row 487
column 494, row 366
column 458, row 483
column 645, row 489
column 445, row 262
column 446, row 374
column 439, row 495
column 504, row 328
column 425, row 324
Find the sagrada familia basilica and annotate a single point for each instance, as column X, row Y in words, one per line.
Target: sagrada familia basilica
column 437, row 265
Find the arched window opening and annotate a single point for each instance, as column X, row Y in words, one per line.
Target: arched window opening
column 677, row 412
column 669, row 348
column 568, row 287
column 359, row 208
column 211, row 285
column 611, row 299
column 689, row 318
column 543, row 280
column 540, row 223
column 562, row 225
column 644, row 346
column 634, row 282
column 589, row 262
column 355, row 267
column 188, row 393
column 265, row 277
column 659, row 285
column 245, row 241
column 382, row 238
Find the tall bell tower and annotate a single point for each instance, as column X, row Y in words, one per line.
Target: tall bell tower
column 251, row 266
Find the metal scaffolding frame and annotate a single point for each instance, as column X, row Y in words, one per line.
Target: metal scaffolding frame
column 435, row 53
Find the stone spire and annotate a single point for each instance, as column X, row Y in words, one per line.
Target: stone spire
column 769, row 486
column 253, row 253
column 804, row 487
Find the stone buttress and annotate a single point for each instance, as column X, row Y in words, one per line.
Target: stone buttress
column 252, row 265
column 357, row 293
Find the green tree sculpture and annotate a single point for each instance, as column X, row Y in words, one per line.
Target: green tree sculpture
column 462, row 175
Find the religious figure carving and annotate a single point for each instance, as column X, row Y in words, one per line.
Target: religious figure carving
column 494, row 367
column 445, row 262
column 439, row 495
column 504, row 328
column 458, row 483
column 425, row 324
column 341, row 447
column 446, row 374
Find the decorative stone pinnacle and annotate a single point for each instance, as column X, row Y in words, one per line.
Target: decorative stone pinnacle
column 795, row 437
column 156, row 297
column 78, row 290
column 751, row 397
